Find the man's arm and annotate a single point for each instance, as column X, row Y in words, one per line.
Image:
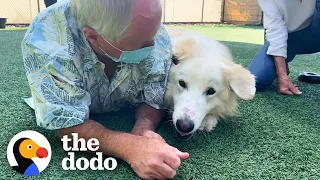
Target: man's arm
column 281, row 67
column 148, row 119
column 111, row 142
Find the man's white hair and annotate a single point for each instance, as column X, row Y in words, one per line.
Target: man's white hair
column 109, row 18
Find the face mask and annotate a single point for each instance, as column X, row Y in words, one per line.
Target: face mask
column 135, row 56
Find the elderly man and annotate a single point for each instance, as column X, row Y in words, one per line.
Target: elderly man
column 97, row 56
column 292, row 28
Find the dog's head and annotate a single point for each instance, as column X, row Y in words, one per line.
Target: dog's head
column 205, row 81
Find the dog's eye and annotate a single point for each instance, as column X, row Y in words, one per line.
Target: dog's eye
column 182, row 84
column 210, row 91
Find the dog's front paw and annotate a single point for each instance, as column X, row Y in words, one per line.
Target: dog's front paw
column 210, row 123
column 203, row 124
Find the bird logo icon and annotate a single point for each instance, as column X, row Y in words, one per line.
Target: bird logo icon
column 29, row 153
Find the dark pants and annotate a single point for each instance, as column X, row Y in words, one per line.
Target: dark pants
column 49, row 2
column 305, row 41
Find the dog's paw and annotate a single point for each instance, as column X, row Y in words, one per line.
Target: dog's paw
column 210, row 123
column 203, row 124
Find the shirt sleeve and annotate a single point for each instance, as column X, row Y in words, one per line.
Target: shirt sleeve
column 157, row 71
column 276, row 29
column 58, row 98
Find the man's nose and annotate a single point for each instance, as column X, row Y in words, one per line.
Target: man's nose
column 185, row 125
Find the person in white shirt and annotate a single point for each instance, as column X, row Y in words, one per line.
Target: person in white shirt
column 292, row 28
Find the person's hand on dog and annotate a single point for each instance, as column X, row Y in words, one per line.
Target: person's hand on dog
column 152, row 158
column 285, row 86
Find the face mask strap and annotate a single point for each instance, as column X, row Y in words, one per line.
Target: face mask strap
column 102, row 50
column 106, row 54
column 112, row 45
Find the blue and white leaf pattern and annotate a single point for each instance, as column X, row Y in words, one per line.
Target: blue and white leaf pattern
column 67, row 80
column 56, row 95
column 64, row 117
column 31, row 64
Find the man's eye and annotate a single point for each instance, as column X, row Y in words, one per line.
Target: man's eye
column 182, row 84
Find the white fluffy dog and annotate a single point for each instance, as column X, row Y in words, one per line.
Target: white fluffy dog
column 205, row 83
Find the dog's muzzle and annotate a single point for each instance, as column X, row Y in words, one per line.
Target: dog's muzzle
column 184, row 137
column 184, row 128
column 184, row 125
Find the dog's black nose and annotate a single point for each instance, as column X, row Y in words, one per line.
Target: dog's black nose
column 184, row 125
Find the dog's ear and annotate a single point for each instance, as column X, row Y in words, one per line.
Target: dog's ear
column 183, row 47
column 241, row 81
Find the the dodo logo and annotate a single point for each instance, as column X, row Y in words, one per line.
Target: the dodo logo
column 29, row 153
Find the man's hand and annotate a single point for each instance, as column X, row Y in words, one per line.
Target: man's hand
column 151, row 134
column 285, row 85
column 151, row 158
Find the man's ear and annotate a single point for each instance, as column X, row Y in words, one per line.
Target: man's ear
column 241, row 81
column 92, row 36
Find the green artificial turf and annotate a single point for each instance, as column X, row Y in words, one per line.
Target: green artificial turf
column 273, row 137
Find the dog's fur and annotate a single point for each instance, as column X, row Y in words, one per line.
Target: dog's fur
column 205, row 63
